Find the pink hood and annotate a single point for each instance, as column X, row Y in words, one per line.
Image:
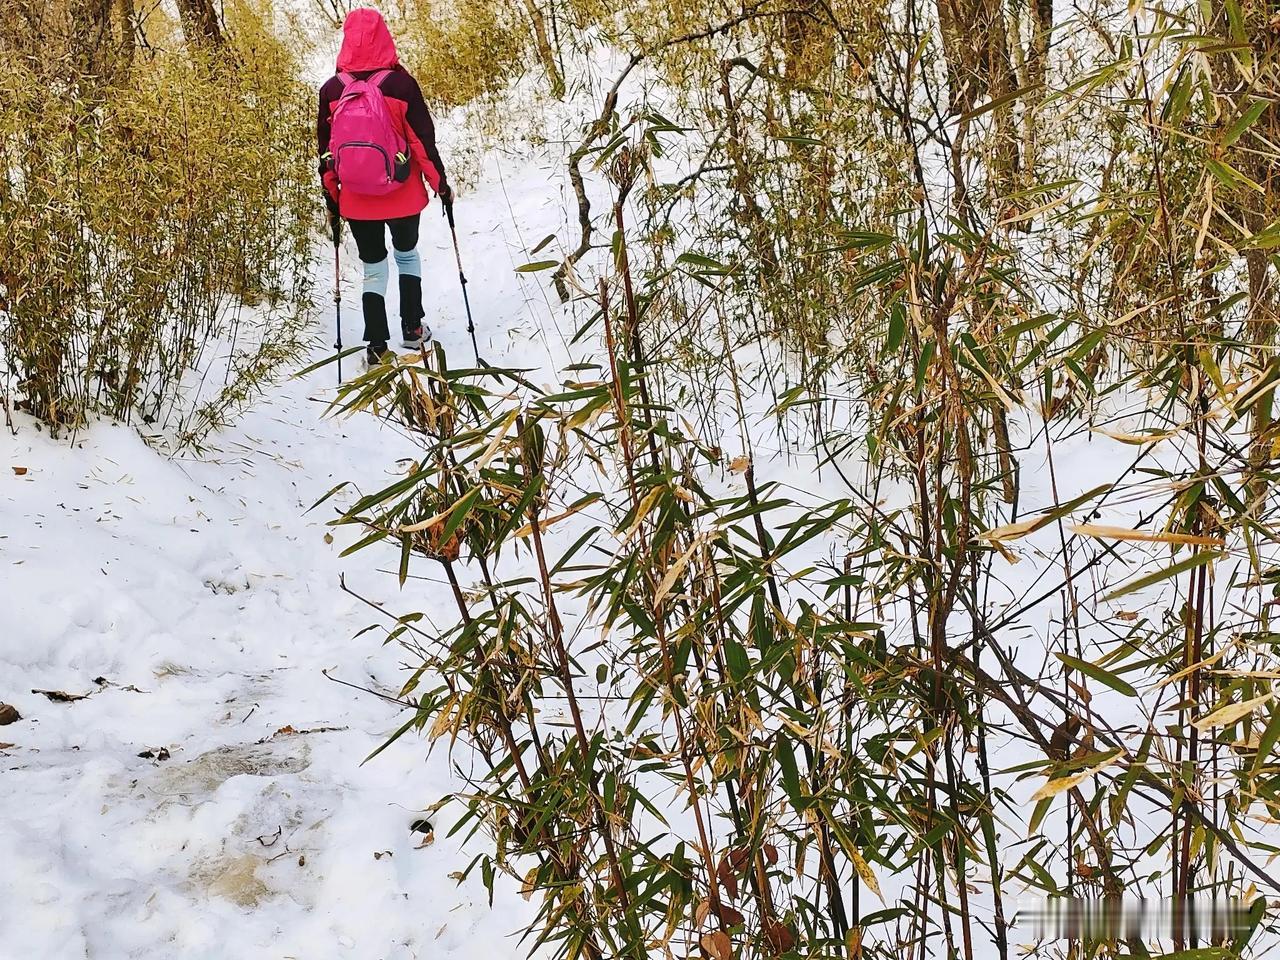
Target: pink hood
column 366, row 43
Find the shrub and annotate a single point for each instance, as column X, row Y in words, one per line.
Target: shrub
column 142, row 213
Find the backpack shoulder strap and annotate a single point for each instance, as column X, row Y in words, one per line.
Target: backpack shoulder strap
column 378, row 77
column 346, row 78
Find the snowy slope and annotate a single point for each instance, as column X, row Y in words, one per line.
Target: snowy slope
column 207, row 600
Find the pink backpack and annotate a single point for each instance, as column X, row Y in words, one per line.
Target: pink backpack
column 367, row 153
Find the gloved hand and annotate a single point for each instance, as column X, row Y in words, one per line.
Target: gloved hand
column 446, row 193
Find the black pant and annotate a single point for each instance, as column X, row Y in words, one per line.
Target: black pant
column 371, row 241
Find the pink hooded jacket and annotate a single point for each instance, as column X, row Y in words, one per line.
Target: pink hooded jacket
column 367, row 47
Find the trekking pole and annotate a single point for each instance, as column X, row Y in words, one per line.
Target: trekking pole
column 462, row 277
column 337, row 293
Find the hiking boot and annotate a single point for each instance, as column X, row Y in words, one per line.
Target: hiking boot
column 415, row 335
column 375, row 353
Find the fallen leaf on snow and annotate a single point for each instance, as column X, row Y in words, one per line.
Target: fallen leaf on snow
column 61, row 696
column 8, row 714
column 20, row 471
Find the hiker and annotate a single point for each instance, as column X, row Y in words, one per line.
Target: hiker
column 377, row 143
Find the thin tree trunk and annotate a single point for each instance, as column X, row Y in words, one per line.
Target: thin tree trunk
column 545, row 53
column 200, row 23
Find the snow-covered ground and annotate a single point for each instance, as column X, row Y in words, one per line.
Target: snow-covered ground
column 206, row 798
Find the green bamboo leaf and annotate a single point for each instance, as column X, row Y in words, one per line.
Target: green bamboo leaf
column 406, row 547
column 897, row 328
column 458, row 513
column 1230, row 177
column 1182, row 566
column 704, row 263
column 1098, row 673
column 392, row 739
column 537, row 265
column 332, row 358
column 332, row 490
column 735, row 655
column 1248, row 117
column 1000, row 101
column 366, row 541
column 1267, row 742
column 790, row 772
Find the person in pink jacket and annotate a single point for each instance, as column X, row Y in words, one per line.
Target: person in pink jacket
column 369, row 53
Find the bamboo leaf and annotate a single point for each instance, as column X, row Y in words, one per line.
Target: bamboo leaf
column 1182, row 566
column 1225, row 716
column 1101, row 532
column 1248, row 117
column 865, row 872
column 1059, row 785
column 1098, row 673
column 544, row 522
column 790, row 772
column 1015, row 531
column 1001, row 101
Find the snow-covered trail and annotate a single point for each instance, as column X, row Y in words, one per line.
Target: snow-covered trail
column 196, row 602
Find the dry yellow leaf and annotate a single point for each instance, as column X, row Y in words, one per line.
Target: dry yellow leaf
column 1014, row 531
column 864, row 871
column 674, row 572
column 1052, row 788
column 548, row 521
column 1135, row 438
column 498, row 437
column 1145, row 536
column 1187, row 671
column 443, row 721
column 1230, row 713
column 530, row 884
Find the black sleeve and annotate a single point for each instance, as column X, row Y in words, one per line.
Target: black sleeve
column 419, row 120
column 322, row 122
